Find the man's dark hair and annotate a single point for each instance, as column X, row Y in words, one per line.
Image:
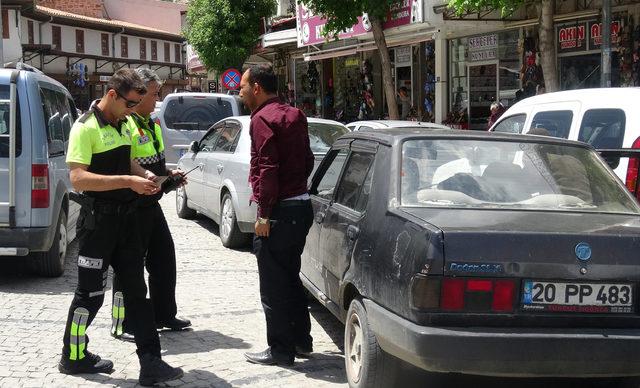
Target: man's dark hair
column 404, row 89
column 125, row 80
column 264, row 76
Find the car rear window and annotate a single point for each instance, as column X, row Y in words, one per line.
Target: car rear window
column 557, row 123
column 509, row 175
column 4, row 124
column 195, row 112
column 322, row 136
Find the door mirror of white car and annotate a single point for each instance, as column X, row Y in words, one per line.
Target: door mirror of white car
column 194, row 147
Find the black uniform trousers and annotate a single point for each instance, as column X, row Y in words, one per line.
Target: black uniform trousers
column 285, row 303
column 155, row 238
column 112, row 241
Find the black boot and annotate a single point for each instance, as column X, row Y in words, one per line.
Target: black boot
column 174, row 324
column 153, row 371
column 127, row 337
column 91, row 363
column 267, row 357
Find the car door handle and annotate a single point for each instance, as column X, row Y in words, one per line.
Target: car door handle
column 201, row 165
column 220, row 168
column 352, row 232
column 319, row 217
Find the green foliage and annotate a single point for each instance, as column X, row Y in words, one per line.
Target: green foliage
column 505, row 6
column 224, row 32
column 343, row 14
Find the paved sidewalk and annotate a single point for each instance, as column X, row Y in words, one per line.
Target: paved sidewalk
column 217, row 290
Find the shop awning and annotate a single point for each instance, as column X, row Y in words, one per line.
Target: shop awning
column 279, row 37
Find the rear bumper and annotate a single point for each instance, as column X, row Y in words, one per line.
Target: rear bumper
column 516, row 352
column 21, row 241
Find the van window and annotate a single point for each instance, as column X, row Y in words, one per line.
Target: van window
column 196, row 113
column 512, row 124
column 4, row 124
column 557, row 122
column 58, row 116
column 603, row 128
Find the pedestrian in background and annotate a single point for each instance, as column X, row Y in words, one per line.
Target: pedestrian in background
column 281, row 162
column 99, row 158
column 147, row 149
column 496, row 109
column 405, row 102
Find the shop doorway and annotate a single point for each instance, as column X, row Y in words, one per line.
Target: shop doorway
column 583, row 71
column 483, row 90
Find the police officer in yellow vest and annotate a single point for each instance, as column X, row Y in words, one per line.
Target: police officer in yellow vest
column 148, row 150
column 99, row 158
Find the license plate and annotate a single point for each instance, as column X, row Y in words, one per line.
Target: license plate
column 577, row 297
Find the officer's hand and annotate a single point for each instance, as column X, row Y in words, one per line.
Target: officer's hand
column 150, row 176
column 262, row 230
column 143, row 186
column 179, row 173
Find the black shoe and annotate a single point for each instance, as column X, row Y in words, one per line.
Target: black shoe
column 127, row 337
column 304, row 351
column 91, row 363
column 174, row 323
column 267, row 358
column 153, row 371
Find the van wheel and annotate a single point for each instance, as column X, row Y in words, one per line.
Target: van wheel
column 51, row 263
column 367, row 365
column 230, row 233
column 181, row 204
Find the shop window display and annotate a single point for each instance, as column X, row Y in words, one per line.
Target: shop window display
column 429, row 82
column 346, row 88
column 308, row 88
column 367, row 102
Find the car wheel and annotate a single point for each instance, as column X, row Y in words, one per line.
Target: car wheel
column 51, row 263
column 230, row 233
column 366, row 363
column 181, row 204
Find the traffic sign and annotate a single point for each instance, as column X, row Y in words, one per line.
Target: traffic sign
column 213, row 86
column 231, row 79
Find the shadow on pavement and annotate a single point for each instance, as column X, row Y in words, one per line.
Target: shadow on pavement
column 329, row 323
column 323, row 366
column 214, row 228
column 202, row 378
column 199, row 341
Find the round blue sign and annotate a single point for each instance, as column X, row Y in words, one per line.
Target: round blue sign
column 583, row 251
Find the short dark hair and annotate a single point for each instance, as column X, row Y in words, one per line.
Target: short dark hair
column 126, row 80
column 264, row 76
column 404, row 89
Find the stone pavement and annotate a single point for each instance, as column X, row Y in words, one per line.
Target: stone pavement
column 217, row 289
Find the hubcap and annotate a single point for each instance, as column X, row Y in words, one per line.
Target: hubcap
column 354, row 348
column 227, row 218
column 62, row 243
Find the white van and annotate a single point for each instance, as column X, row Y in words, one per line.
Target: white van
column 607, row 118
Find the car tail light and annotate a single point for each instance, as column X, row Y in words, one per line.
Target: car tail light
column 632, row 171
column 452, row 295
column 425, row 292
column 477, row 295
column 39, row 186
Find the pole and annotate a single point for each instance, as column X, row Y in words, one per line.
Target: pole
column 605, row 79
column 1, row 43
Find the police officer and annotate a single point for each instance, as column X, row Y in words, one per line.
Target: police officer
column 99, row 158
column 148, row 151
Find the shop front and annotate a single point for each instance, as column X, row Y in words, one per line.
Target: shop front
column 483, row 69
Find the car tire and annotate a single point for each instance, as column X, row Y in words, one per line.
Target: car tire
column 51, row 263
column 230, row 234
column 367, row 365
column 182, row 208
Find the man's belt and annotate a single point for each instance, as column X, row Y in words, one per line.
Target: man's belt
column 292, row 203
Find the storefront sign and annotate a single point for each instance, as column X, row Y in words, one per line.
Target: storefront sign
column 571, row 37
column 403, row 56
column 483, row 48
column 310, row 27
column 595, row 34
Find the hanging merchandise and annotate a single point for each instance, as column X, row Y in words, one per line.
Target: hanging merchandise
column 367, row 103
column 328, row 97
column 429, row 82
column 313, row 77
column 531, row 72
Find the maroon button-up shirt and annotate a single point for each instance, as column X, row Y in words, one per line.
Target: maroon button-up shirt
column 281, row 159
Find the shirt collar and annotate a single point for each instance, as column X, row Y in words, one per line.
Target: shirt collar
column 102, row 121
column 269, row 101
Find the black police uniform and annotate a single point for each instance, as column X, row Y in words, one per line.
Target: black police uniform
column 148, row 150
column 108, row 235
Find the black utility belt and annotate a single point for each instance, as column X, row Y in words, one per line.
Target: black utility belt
column 114, row 208
column 292, row 203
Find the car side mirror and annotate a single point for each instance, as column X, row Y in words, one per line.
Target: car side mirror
column 194, row 147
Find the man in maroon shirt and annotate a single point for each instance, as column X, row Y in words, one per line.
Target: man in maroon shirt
column 281, row 162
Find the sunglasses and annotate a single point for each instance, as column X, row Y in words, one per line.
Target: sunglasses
column 129, row 103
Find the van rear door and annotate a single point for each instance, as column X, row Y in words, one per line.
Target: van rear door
column 15, row 166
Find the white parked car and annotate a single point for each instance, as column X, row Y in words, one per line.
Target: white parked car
column 606, row 118
column 220, row 188
column 380, row 124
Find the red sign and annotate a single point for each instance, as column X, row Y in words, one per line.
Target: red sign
column 572, row 37
column 595, row 33
column 231, row 79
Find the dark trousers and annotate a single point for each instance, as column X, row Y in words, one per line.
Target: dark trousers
column 112, row 241
column 282, row 294
column 155, row 238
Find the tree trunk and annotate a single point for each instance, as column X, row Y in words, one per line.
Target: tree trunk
column 547, row 44
column 387, row 82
